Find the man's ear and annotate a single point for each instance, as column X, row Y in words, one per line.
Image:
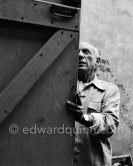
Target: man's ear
column 96, row 66
column 98, row 60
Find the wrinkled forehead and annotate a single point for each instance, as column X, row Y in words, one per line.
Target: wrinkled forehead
column 91, row 48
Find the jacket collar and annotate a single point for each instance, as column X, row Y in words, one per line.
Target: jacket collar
column 97, row 83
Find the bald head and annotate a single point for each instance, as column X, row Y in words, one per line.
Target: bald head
column 92, row 48
column 88, row 59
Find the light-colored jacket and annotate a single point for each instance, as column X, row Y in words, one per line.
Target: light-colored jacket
column 101, row 99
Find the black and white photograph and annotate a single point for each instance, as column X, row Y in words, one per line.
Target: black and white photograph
column 66, row 83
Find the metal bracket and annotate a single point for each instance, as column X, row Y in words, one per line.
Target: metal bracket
column 41, row 12
column 63, row 12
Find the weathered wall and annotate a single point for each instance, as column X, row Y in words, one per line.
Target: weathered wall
column 108, row 24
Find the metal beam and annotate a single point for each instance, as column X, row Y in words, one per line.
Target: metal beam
column 23, row 82
column 37, row 12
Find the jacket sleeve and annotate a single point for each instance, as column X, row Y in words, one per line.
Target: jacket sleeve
column 105, row 123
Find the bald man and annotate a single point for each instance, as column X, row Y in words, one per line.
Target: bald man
column 96, row 111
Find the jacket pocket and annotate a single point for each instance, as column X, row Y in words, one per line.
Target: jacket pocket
column 95, row 106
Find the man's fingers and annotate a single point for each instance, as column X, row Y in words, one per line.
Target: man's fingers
column 73, row 106
column 70, row 103
column 78, row 99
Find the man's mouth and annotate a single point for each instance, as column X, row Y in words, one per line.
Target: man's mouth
column 80, row 64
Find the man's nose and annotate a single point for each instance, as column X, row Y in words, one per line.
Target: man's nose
column 81, row 56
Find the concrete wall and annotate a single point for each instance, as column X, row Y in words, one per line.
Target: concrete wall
column 108, row 24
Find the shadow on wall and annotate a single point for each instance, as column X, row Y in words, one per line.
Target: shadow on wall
column 122, row 141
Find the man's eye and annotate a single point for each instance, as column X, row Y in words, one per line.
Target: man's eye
column 86, row 51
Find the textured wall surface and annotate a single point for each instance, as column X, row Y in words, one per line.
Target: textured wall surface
column 108, row 24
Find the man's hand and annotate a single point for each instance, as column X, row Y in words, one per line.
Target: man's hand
column 76, row 109
column 85, row 119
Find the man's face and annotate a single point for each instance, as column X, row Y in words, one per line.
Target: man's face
column 87, row 59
